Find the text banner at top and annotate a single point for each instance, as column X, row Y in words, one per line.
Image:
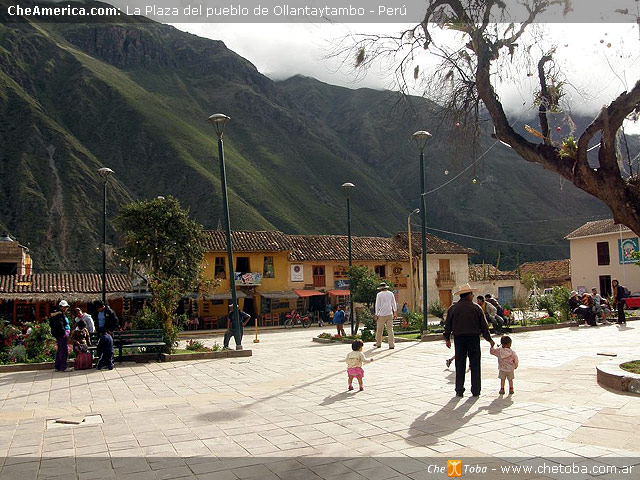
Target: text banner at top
column 314, row 11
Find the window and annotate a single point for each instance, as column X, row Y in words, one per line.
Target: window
column 268, row 271
column 242, row 265
column 340, row 272
column 380, row 270
column 219, row 270
column 318, row 276
column 603, row 253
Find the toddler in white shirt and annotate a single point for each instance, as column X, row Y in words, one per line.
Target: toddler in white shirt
column 354, row 360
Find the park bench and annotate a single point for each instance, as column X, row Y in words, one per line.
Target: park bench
column 132, row 339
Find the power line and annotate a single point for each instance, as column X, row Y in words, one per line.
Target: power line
column 494, row 239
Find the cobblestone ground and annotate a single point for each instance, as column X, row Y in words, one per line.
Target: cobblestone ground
column 285, row 413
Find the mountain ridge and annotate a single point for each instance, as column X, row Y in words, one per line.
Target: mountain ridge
column 135, row 97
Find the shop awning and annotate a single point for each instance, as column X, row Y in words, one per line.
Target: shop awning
column 285, row 294
column 308, row 293
column 339, row 293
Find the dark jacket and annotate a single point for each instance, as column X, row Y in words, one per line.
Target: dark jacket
column 59, row 324
column 466, row 318
column 111, row 321
column 242, row 315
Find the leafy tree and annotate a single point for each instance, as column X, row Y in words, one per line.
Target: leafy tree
column 364, row 286
column 489, row 41
column 561, row 297
column 162, row 240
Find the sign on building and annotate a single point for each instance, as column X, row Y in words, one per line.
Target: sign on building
column 626, row 248
column 297, row 274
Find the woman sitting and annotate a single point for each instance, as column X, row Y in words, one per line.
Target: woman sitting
column 80, row 338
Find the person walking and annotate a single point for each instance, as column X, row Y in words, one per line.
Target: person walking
column 231, row 328
column 86, row 318
column 354, row 360
column 386, row 311
column 466, row 321
column 507, row 363
column 619, row 295
column 60, row 329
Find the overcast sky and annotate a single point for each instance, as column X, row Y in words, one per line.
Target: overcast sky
column 599, row 61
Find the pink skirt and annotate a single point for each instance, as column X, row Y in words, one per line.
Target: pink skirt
column 355, row 372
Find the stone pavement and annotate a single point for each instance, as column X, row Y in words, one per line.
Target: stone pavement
column 285, row 414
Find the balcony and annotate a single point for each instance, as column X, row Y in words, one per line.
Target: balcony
column 248, row 279
column 445, row 279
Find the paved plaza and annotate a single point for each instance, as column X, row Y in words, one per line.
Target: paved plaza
column 285, row 413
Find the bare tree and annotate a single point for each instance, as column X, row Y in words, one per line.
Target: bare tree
column 463, row 82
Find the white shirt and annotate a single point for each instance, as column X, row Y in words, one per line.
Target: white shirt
column 356, row 359
column 86, row 318
column 386, row 303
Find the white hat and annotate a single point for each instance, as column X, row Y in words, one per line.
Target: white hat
column 382, row 286
column 63, row 303
column 464, row 288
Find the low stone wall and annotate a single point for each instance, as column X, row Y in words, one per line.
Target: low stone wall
column 137, row 358
column 610, row 375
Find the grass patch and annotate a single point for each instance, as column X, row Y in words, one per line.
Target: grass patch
column 633, row 367
column 410, row 336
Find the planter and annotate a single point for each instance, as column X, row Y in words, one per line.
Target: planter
column 609, row 374
column 137, row 358
column 332, row 340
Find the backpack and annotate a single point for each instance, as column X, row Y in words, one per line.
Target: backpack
column 626, row 292
column 56, row 323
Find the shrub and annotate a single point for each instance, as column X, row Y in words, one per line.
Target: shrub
column 415, row 320
column 436, row 309
column 195, row 345
column 147, row 319
column 547, row 302
column 40, row 345
column 18, row 354
column 546, row 321
column 561, row 297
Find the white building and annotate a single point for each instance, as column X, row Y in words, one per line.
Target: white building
column 600, row 252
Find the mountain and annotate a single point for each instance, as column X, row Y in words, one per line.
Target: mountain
column 134, row 96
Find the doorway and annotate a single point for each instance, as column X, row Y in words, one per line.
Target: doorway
column 445, row 298
column 605, row 286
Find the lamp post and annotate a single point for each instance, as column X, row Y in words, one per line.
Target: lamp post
column 105, row 173
column 411, row 286
column 218, row 120
column 348, row 186
column 421, row 138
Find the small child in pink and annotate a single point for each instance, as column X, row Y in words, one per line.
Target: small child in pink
column 354, row 360
column 507, row 363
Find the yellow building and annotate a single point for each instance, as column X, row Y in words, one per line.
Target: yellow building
column 261, row 273
column 319, row 263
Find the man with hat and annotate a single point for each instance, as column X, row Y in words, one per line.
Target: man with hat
column 386, row 309
column 231, row 330
column 60, row 330
column 466, row 321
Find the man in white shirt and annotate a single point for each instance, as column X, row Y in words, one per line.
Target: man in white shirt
column 386, row 309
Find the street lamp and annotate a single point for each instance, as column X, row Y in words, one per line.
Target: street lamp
column 411, row 286
column 105, row 173
column 421, row 138
column 218, row 120
column 348, row 186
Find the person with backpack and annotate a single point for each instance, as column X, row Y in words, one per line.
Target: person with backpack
column 619, row 294
column 60, row 330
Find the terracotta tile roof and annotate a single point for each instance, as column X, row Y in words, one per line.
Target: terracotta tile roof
column 335, row 247
column 597, row 227
column 548, row 269
column 478, row 273
column 58, row 286
column 434, row 244
column 247, row 241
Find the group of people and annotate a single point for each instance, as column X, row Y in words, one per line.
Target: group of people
column 80, row 337
column 466, row 321
column 593, row 308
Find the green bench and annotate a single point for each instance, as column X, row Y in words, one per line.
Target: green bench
column 132, row 339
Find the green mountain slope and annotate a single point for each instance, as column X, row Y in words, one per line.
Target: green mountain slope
column 135, row 97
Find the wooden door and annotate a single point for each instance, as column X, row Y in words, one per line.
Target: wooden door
column 445, row 298
column 445, row 266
